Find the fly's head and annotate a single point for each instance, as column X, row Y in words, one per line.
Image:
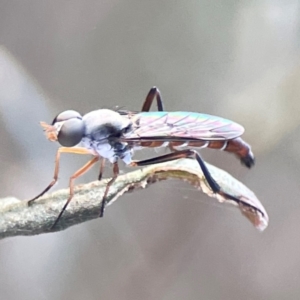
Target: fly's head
column 67, row 128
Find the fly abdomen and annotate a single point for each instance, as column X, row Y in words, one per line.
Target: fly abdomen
column 153, row 144
column 242, row 150
column 236, row 146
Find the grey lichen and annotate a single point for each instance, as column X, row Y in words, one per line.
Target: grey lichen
column 17, row 218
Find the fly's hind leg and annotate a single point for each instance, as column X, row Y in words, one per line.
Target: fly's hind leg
column 153, row 93
column 189, row 153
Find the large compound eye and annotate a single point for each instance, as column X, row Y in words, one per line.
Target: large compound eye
column 66, row 115
column 72, row 130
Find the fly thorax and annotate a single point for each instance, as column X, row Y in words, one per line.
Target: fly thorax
column 127, row 156
column 103, row 130
column 122, row 150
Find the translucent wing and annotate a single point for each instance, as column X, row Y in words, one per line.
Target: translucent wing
column 182, row 126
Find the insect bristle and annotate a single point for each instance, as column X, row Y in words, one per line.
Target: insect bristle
column 50, row 131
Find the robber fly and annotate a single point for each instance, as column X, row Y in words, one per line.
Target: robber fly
column 114, row 135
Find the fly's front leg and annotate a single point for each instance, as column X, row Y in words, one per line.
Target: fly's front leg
column 188, row 153
column 75, row 150
column 153, row 93
column 104, row 200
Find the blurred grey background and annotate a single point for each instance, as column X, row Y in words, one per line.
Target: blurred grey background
column 235, row 59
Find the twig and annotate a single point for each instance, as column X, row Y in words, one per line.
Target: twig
column 16, row 218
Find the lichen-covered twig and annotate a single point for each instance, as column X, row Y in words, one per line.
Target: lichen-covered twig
column 16, row 218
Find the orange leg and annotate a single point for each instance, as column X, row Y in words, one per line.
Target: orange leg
column 77, row 174
column 74, row 150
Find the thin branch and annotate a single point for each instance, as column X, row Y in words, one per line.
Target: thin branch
column 16, row 218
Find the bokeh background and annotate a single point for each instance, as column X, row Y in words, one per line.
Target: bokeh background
column 236, row 59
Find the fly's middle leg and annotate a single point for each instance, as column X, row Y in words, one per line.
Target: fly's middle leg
column 104, row 200
column 102, row 165
column 77, row 174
